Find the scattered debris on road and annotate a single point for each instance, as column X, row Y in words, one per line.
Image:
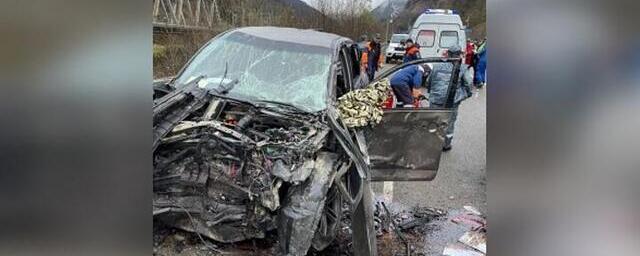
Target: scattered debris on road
column 458, row 249
column 421, row 216
column 471, row 243
column 400, row 231
column 477, row 240
column 475, row 222
column 472, row 210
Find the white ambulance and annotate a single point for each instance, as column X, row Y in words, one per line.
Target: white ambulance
column 436, row 30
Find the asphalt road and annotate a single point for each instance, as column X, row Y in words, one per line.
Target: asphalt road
column 461, row 179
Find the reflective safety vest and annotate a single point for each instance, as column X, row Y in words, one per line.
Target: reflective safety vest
column 369, row 50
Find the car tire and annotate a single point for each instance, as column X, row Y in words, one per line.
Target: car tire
column 329, row 221
column 387, row 60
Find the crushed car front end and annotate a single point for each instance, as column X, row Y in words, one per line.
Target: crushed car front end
column 232, row 165
column 222, row 177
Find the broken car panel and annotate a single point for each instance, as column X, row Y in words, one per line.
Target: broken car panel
column 414, row 159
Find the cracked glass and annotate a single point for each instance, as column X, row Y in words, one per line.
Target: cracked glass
column 266, row 69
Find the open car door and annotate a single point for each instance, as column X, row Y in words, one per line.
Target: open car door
column 406, row 145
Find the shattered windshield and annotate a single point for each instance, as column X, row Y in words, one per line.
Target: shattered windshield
column 265, row 69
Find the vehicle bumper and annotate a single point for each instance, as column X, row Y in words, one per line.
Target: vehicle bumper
column 395, row 55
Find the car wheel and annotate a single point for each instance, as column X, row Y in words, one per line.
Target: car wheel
column 387, row 60
column 329, row 221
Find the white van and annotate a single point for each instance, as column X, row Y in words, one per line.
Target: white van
column 436, row 30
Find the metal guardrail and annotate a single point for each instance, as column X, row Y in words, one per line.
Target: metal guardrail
column 186, row 14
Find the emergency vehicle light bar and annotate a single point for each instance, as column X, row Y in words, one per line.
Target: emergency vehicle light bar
column 440, row 11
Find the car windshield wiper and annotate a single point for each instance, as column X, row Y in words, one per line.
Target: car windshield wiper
column 224, row 88
column 281, row 105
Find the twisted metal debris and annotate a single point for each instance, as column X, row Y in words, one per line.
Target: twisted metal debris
column 363, row 107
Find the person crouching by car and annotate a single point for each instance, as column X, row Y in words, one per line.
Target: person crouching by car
column 411, row 52
column 405, row 84
column 439, row 87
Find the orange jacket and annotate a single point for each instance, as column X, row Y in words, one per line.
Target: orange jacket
column 412, row 50
column 365, row 57
column 411, row 53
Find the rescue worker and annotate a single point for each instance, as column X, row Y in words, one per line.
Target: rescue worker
column 371, row 58
column 411, row 52
column 439, row 86
column 481, row 65
column 405, row 84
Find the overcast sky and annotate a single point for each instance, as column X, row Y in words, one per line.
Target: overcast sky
column 374, row 3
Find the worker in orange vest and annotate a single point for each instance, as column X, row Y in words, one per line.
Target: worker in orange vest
column 412, row 52
column 372, row 58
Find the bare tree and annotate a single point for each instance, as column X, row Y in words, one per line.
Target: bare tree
column 350, row 18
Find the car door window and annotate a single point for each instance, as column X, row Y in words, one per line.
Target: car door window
column 426, row 38
column 347, row 65
column 344, row 82
column 354, row 58
column 358, row 79
column 448, row 39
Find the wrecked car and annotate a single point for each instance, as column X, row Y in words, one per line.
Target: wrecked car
column 247, row 139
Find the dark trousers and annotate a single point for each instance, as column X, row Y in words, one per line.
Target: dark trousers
column 480, row 71
column 371, row 73
column 403, row 93
column 452, row 122
column 371, row 69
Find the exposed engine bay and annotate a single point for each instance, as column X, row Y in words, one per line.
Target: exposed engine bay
column 233, row 171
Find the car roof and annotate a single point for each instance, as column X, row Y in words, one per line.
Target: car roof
column 438, row 18
column 295, row 35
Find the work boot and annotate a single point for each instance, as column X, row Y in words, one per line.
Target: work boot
column 447, row 143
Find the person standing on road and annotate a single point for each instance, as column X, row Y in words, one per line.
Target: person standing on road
column 411, row 52
column 371, row 58
column 469, row 53
column 405, row 83
column 439, row 87
column 481, row 65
